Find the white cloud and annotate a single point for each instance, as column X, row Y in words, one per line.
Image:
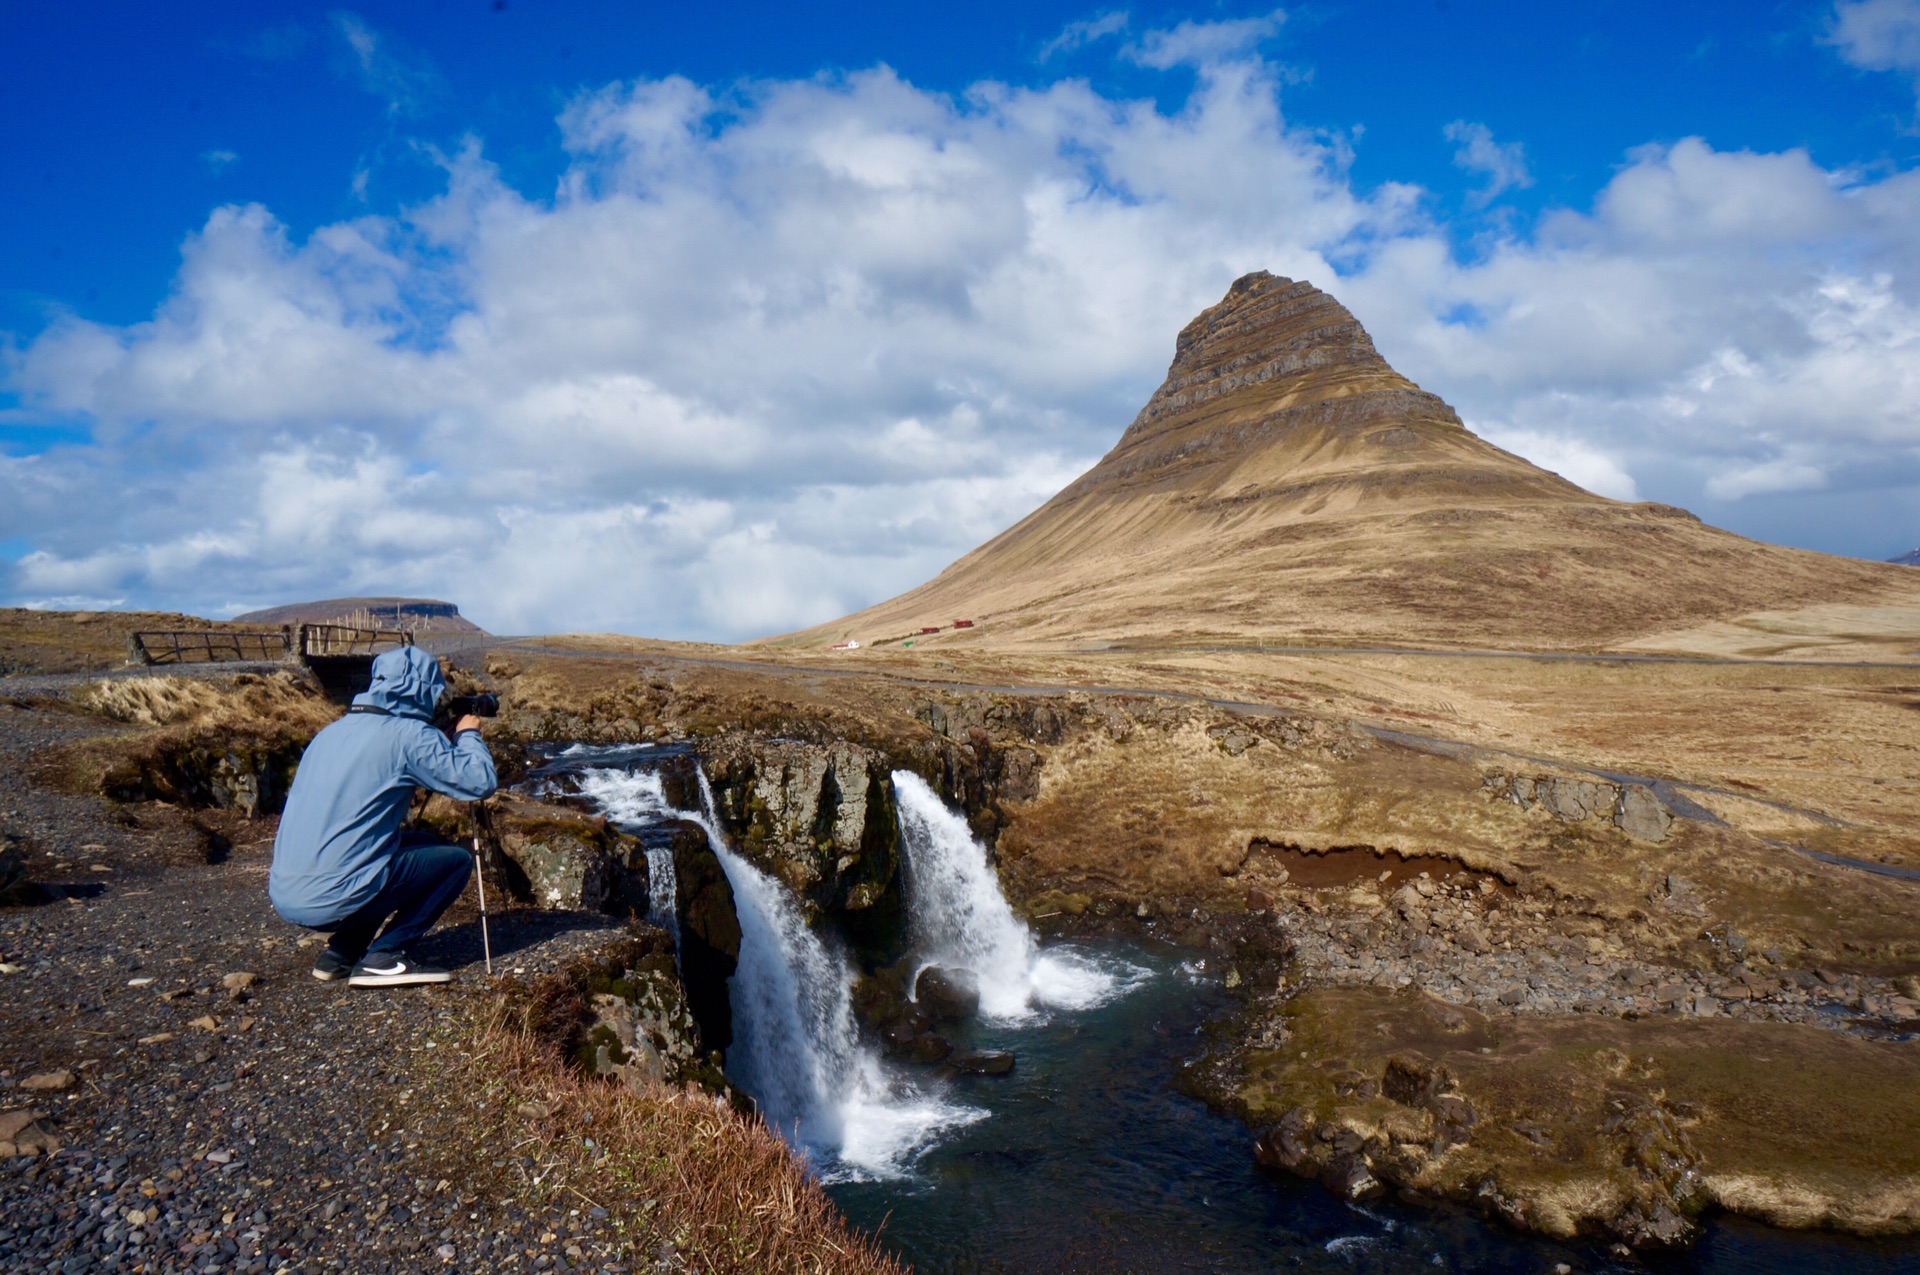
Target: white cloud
column 1779, row 474
column 218, row 161
column 1504, row 164
column 1572, row 459
column 770, row 353
column 405, row 86
column 1877, row 35
column 1077, row 34
column 1203, row 44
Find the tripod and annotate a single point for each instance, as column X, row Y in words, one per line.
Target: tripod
column 477, row 812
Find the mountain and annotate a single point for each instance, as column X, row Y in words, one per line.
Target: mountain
column 423, row 615
column 1907, row 559
column 1285, row 485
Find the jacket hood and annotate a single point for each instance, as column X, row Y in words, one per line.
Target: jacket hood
column 406, row 683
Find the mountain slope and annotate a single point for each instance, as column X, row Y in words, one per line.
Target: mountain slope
column 1285, row 485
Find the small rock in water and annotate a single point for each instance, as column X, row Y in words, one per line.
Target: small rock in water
column 983, row 1062
column 929, row 1048
column 951, row 996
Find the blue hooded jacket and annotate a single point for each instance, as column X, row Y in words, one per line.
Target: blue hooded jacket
column 350, row 794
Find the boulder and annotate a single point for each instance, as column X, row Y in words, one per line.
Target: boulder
column 1349, row 1177
column 561, row 860
column 1288, row 1144
column 950, row 996
column 1640, row 815
column 983, row 1062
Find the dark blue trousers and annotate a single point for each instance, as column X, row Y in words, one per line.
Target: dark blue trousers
column 424, row 877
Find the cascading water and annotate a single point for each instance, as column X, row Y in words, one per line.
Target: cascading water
column 961, row 919
column 633, row 799
column 796, row 1047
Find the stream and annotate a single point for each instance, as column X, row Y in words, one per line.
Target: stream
column 1086, row 1157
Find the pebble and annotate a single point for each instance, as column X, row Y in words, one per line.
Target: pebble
column 49, row 1081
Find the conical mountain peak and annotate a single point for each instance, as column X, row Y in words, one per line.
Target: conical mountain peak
column 1285, row 485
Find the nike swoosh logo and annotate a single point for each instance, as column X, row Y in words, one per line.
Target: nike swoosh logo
column 392, row 970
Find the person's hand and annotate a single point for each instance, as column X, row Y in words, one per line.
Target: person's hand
column 469, row 722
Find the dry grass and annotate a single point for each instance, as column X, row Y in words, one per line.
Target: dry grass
column 276, row 699
column 78, row 641
column 678, row 1168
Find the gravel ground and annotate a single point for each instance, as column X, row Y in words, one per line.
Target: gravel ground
column 280, row 1125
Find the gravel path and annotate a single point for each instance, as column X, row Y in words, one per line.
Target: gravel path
column 280, row 1125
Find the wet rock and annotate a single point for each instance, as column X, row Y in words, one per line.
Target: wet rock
column 983, row 1062
column 929, row 1047
column 1349, row 1177
column 821, row 818
column 951, row 996
column 1288, row 1144
column 709, row 931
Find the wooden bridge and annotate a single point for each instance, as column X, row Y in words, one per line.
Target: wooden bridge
column 340, row 655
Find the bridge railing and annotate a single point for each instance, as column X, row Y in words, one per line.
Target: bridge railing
column 344, row 639
column 203, row 646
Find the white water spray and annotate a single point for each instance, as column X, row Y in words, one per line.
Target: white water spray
column 796, row 1047
column 960, row 918
column 635, row 798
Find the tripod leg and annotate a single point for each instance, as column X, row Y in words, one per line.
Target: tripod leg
column 480, row 880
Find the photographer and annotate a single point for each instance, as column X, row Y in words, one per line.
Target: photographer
column 341, row 863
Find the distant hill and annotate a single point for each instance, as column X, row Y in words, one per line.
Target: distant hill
column 423, row 615
column 1285, row 485
column 1908, row 559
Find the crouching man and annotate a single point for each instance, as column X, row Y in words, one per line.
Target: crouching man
column 341, row 863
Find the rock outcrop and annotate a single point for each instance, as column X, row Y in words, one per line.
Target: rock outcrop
column 557, row 858
column 821, row 819
column 1632, row 808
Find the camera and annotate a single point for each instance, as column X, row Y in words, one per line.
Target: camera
column 455, row 707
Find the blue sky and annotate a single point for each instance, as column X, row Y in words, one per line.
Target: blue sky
column 711, row 322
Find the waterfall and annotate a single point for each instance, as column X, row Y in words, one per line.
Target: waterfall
column 796, row 1046
column 960, row 918
column 633, row 799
